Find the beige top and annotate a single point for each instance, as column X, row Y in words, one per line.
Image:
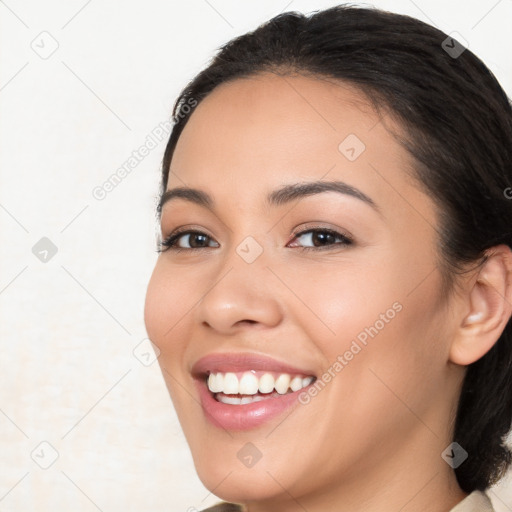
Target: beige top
column 477, row 501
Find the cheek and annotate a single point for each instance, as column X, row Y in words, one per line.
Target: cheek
column 398, row 372
column 167, row 302
column 387, row 333
column 154, row 305
column 168, row 299
column 338, row 299
column 165, row 309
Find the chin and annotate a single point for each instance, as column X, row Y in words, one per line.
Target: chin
column 238, row 485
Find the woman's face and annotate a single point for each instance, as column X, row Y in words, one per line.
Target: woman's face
column 365, row 318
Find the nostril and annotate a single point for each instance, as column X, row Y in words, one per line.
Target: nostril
column 247, row 321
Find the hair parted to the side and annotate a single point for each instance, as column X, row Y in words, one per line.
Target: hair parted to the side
column 458, row 122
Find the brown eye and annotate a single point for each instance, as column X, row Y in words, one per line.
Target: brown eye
column 322, row 238
column 196, row 240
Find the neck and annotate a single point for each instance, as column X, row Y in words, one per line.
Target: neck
column 412, row 477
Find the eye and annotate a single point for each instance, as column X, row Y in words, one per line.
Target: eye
column 194, row 237
column 325, row 238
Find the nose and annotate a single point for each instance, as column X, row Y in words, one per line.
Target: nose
column 240, row 294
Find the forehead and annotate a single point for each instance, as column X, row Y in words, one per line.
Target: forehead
column 252, row 135
column 270, row 118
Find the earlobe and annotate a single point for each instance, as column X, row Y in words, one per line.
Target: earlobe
column 490, row 308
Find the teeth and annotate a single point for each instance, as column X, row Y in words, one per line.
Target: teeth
column 282, row 383
column 296, row 383
column 306, row 381
column 266, row 384
column 249, row 384
column 215, row 382
column 230, row 386
column 233, row 400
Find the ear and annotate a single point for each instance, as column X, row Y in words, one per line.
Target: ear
column 489, row 308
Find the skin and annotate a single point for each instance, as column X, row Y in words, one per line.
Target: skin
column 372, row 439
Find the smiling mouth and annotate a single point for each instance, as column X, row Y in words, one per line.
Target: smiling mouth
column 239, row 388
column 247, row 399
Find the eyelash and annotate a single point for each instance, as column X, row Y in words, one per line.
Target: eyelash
column 170, row 242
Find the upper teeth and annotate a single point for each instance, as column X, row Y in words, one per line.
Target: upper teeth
column 250, row 384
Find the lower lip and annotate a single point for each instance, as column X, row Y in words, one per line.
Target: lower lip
column 246, row 416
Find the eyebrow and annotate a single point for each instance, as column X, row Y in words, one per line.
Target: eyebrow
column 277, row 197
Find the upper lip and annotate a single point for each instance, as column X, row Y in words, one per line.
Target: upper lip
column 239, row 362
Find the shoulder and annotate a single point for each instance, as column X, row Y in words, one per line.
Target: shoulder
column 477, row 501
column 224, row 507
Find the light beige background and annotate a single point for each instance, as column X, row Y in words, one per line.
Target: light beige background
column 73, row 373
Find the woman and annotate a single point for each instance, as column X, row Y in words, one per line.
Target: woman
column 333, row 291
